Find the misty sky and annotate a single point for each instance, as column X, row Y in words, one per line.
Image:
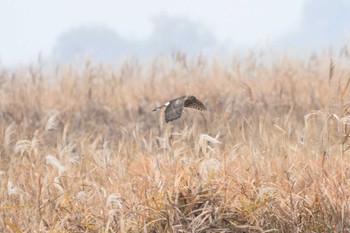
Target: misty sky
column 59, row 27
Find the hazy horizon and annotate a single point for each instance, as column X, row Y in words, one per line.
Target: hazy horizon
column 108, row 30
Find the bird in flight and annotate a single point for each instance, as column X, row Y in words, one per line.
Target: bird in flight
column 173, row 108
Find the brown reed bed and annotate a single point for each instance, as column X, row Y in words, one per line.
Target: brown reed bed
column 81, row 150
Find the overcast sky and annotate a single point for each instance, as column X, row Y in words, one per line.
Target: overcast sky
column 32, row 27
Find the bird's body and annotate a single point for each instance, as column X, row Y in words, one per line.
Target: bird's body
column 174, row 108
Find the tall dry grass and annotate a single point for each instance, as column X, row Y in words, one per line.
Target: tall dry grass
column 81, row 150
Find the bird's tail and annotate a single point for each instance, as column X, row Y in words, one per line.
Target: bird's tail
column 156, row 109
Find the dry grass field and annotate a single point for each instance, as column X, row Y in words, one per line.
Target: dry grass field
column 82, row 151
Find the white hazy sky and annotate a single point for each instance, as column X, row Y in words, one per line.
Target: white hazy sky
column 32, row 27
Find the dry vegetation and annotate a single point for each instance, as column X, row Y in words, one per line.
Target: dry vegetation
column 81, row 150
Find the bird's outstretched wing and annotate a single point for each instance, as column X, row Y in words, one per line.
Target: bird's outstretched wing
column 193, row 102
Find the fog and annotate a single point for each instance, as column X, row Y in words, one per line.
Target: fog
column 112, row 30
column 104, row 44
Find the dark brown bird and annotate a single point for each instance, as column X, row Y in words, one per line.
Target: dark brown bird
column 173, row 108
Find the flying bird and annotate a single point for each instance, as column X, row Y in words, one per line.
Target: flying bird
column 173, row 108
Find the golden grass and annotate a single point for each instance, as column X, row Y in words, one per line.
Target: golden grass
column 81, row 150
